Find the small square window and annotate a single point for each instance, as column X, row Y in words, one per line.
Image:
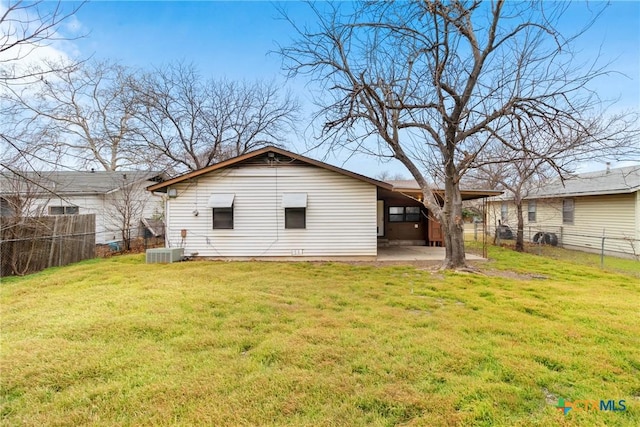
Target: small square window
column 412, row 214
column 531, row 210
column 295, row 218
column 56, row 210
column 404, row 213
column 568, row 208
column 64, row 210
column 396, row 214
column 223, row 218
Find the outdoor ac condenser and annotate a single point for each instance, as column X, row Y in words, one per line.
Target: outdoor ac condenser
column 164, row 255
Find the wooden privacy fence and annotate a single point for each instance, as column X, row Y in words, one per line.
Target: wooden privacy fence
column 31, row 244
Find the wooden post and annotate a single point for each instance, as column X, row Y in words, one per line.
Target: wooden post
column 602, row 251
column 53, row 240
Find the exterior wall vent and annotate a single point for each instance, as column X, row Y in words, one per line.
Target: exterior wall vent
column 164, row 255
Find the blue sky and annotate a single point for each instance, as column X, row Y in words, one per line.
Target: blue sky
column 233, row 40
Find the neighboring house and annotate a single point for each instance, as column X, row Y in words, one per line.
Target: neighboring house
column 581, row 211
column 272, row 203
column 109, row 195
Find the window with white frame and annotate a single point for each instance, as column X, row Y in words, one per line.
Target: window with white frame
column 295, row 210
column 531, row 210
column 568, row 210
column 222, row 209
column 64, row 210
column 504, row 212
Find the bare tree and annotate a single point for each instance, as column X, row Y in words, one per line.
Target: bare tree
column 24, row 193
column 27, row 28
column 518, row 174
column 432, row 83
column 125, row 207
column 191, row 123
column 23, row 198
column 389, row 176
column 82, row 111
column 528, row 152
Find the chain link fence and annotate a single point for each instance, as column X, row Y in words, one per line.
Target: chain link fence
column 603, row 242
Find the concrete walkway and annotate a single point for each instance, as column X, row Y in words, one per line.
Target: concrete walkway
column 417, row 253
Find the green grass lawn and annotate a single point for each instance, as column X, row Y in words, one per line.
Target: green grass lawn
column 118, row 342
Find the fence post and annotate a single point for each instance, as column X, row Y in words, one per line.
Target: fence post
column 53, row 241
column 602, row 251
column 475, row 231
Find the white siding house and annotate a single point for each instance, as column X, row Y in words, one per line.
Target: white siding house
column 336, row 211
column 67, row 193
column 274, row 204
column 582, row 211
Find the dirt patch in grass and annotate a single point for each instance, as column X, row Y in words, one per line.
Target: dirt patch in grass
column 513, row 275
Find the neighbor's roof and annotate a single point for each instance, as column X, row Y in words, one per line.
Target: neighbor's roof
column 404, row 184
column 162, row 186
column 72, row 182
column 614, row 181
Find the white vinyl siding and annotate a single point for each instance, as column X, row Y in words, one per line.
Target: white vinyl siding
column 613, row 214
column 340, row 214
column 616, row 214
column 102, row 205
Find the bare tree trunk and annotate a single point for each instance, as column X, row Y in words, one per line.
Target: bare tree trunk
column 454, row 228
column 430, row 79
column 126, row 238
column 520, row 232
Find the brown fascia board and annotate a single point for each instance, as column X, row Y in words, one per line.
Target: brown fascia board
column 161, row 186
column 440, row 191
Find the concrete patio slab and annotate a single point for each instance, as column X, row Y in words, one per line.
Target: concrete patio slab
column 417, row 253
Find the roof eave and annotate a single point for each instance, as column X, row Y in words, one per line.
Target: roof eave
column 586, row 193
column 230, row 162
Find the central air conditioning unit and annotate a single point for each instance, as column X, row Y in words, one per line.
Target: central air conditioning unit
column 164, row 255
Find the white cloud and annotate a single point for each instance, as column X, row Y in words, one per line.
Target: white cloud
column 19, row 55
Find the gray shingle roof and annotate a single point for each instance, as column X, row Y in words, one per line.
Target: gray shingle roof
column 615, row 181
column 71, row 182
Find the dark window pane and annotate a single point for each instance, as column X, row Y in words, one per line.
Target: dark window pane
column 396, row 218
column 412, row 214
column 532, row 210
column 223, row 218
column 504, row 212
column 56, row 210
column 295, row 217
column 567, row 211
column 71, row 210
